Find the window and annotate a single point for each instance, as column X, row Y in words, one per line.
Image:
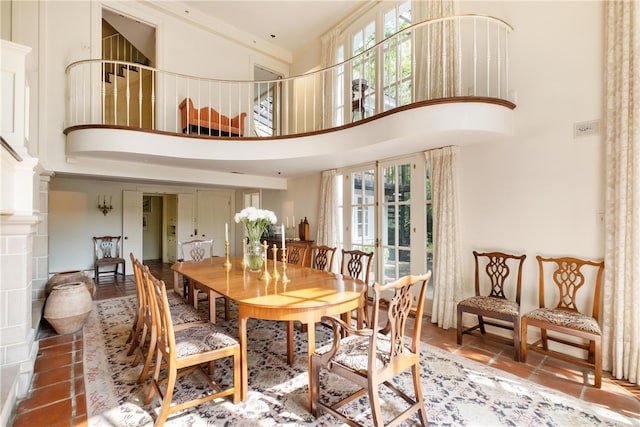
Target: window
column 395, row 212
column 387, row 209
column 397, row 64
column 363, row 74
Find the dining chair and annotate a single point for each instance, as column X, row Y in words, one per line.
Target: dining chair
column 199, row 251
column 297, row 253
column 322, row 257
column 497, row 296
column 143, row 336
column 373, row 356
column 357, row 264
column 106, row 253
column 566, row 277
column 183, row 351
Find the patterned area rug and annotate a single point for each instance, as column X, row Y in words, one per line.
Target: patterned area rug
column 457, row 391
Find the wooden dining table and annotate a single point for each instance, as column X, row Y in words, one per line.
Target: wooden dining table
column 307, row 296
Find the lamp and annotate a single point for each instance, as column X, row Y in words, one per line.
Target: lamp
column 104, row 207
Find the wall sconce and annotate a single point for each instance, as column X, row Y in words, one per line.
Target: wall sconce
column 104, row 207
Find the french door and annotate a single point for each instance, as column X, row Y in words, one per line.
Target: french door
column 386, row 209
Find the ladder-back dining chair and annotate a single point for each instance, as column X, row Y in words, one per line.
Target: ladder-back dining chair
column 106, row 253
column 497, row 297
column 373, row 356
column 569, row 297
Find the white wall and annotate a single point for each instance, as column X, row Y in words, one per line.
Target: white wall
column 300, row 199
column 540, row 191
column 73, row 33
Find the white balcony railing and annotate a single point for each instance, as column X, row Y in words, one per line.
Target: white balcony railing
column 464, row 57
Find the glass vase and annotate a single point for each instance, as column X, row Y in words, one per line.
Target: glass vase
column 254, row 255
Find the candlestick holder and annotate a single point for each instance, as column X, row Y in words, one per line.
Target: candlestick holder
column 276, row 275
column 285, row 279
column 244, row 254
column 227, row 264
column 265, row 273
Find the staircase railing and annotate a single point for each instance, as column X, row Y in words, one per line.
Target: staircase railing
column 464, row 57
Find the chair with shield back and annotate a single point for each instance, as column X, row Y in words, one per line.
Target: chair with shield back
column 357, row 264
column 184, row 351
column 569, row 298
column 497, row 297
column 375, row 355
column 106, row 253
column 322, row 257
column 199, row 251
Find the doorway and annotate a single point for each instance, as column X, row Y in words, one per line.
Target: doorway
column 152, row 227
column 266, row 102
column 128, row 92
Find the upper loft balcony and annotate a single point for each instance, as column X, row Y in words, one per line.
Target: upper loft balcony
column 436, row 83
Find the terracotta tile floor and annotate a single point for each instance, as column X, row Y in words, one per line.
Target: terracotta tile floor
column 57, row 393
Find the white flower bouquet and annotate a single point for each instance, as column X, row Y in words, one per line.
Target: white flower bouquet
column 256, row 221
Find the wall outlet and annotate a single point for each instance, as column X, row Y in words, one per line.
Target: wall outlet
column 589, row 128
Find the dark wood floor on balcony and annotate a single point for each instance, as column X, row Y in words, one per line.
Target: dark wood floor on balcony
column 57, row 394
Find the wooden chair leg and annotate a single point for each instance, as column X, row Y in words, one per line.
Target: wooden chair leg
column 516, row 339
column 376, row 412
column 523, row 340
column 147, row 362
column 422, row 411
column 290, row 337
column 598, row 363
column 481, row 324
column 459, row 327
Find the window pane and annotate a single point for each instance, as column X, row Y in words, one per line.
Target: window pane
column 390, row 270
column 404, row 263
column 389, row 184
column 390, row 229
column 404, row 231
column 404, row 183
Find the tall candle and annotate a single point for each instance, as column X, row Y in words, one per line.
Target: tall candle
column 287, row 223
column 282, row 229
column 226, row 232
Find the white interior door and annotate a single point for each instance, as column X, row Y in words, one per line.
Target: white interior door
column 185, row 218
column 131, row 226
column 214, row 210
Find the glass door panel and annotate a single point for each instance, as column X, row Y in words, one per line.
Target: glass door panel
column 395, row 213
column 363, row 218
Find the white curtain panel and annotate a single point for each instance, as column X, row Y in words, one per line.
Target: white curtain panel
column 436, row 45
column 447, row 275
column 327, row 219
column 327, row 59
column 621, row 296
